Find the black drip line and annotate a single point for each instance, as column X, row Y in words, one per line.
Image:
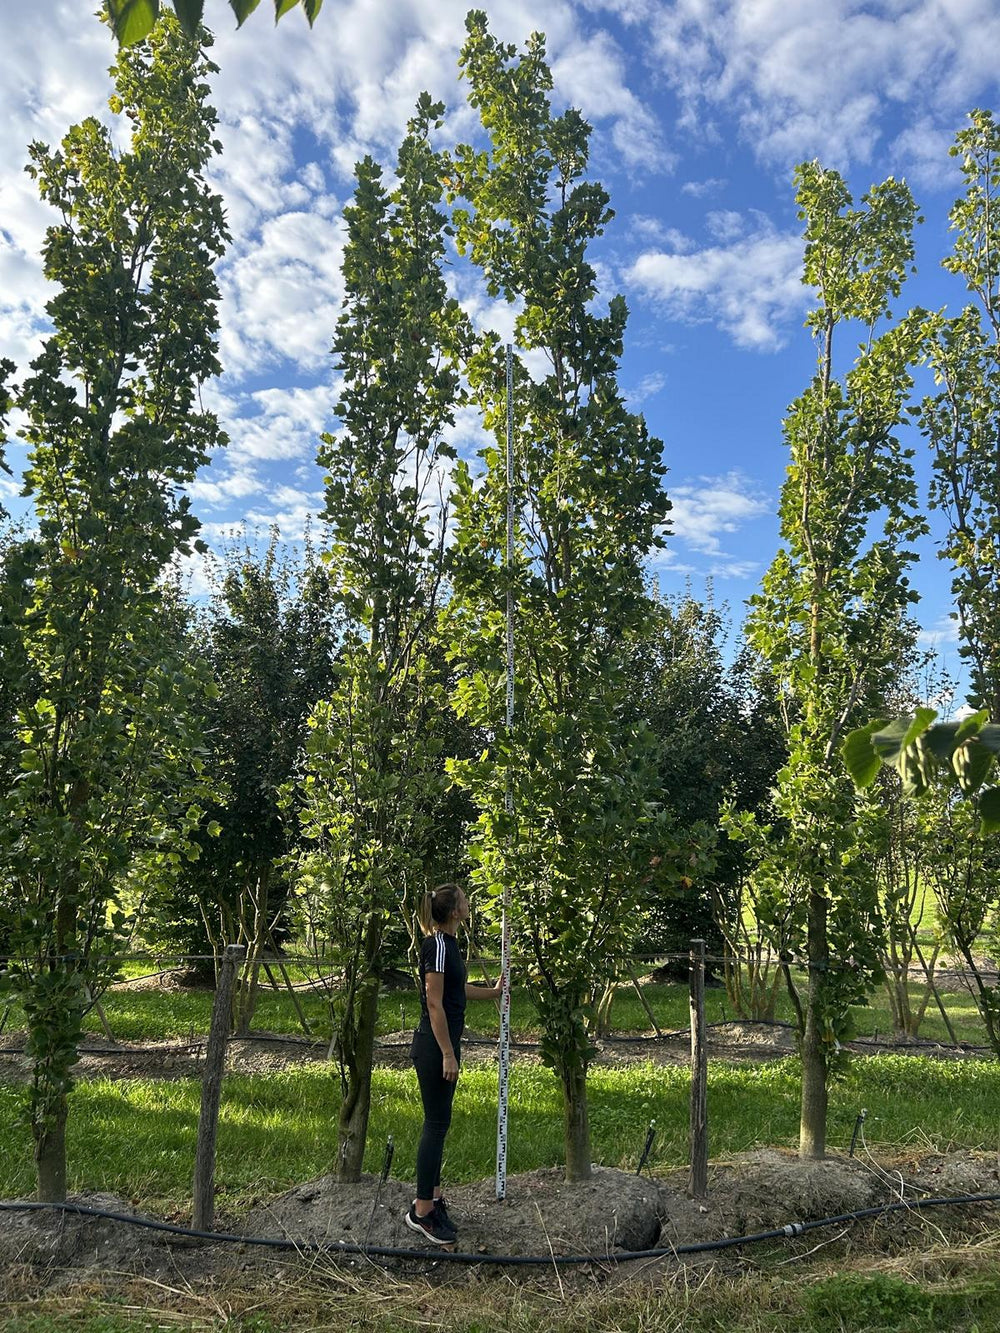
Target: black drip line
column 277, row 1039
column 721, row 960
column 788, row 1231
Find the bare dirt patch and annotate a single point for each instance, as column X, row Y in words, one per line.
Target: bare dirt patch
column 542, row 1215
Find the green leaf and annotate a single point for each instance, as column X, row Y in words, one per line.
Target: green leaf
column 863, row 763
column 922, row 719
column 189, row 12
column 243, row 9
column 903, row 745
column 940, row 740
column 970, row 763
column 989, row 810
column 971, row 725
column 312, row 8
column 132, row 20
column 281, row 8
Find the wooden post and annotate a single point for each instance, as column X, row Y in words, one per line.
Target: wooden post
column 211, row 1089
column 698, row 1186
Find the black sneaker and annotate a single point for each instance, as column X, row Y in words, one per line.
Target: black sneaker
column 441, row 1208
column 433, row 1227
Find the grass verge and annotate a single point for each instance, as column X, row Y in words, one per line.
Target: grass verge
column 136, row 1137
column 945, row 1287
column 156, row 1015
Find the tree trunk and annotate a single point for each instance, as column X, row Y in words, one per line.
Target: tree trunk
column 50, row 1137
column 50, row 1156
column 576, row 1122
column 356, row 1056
column 812, row 1123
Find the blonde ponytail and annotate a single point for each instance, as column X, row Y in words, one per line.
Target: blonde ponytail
column 436, row 906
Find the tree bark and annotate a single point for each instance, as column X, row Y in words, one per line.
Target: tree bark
column 812, row 1122
column 203, row 1208
column 576, row 1121
column 50, row 1157
column 352, row 1120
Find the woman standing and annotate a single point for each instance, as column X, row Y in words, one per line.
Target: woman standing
column 436, row 1050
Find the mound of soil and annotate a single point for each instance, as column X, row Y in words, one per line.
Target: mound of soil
column 48, row 1250
column 542, row 1213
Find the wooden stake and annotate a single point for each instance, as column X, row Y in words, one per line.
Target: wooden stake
column 934, row 990
column 698, row 1186
column 291, row 989
column 644, row 1002
column 96, row 1004
column 211, row 1089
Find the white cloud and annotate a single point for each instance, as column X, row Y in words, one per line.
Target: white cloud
column 223, row 490
column 648, row 387
column 806, row 79
column 752, row 289
column 282, row 295
column 292, row 523
column 699, row 189
column 590, row 74
column 924, row 146
column 942, row 634
column 286, row 424
column 652, row 229
column 725, row 225
column 709, row 507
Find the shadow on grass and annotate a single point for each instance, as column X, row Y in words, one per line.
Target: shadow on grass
column 137, row 1137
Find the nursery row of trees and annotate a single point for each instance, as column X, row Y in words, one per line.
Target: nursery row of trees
column 329, row 735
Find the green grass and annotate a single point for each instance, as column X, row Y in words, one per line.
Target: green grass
column 136, row 1137
column 153, row 1015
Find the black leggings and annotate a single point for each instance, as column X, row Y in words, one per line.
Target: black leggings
column 437, row 1094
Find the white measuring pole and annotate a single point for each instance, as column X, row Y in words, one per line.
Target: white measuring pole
column 504, row 1060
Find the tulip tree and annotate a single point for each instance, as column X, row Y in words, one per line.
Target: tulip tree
column 373, row 766
column 132, row 20
column 109, row 781
column 831, row 619
column 962, row 418
column 590, row 509
column 955, row 763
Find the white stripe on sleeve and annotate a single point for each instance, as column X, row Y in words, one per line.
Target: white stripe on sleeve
column 439, row 957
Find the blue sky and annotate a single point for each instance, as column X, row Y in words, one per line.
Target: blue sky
column 701, row 108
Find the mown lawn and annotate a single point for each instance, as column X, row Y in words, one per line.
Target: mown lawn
column 149, row 1015
column 136, row 1137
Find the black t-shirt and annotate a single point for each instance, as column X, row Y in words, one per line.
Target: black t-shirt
column 440, row 953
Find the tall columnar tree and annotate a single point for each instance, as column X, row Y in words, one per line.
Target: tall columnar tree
column 590, row 508
column 831, row 619
column 372, row 769
column 108, row 764
column 962, row 419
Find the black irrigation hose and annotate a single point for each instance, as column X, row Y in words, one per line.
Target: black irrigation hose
column 713, row 959
column 611, row 1040
column 180, row 1049
column 791, row 1229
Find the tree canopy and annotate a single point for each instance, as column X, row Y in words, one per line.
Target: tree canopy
column 133, row 20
